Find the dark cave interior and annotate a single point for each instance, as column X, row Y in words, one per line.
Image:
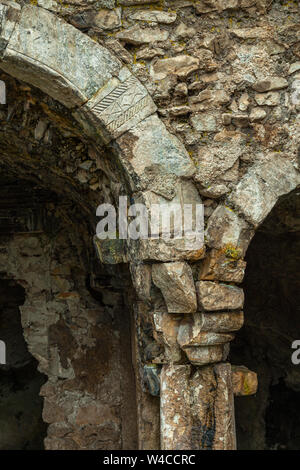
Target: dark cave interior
column 271, row 418
column 21, row 424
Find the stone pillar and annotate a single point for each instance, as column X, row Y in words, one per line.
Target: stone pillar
column 175, row 416
column 197, row 409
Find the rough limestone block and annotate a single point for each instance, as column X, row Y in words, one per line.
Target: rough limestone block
column 225, row 229
column 222, row 322
column 175, row 280
column 117, row 107
column 9, row 15
column 244, row 381
column 175, row 416
column 213, row 296
column 260, row 188
column 57, row 58
column 200, row 356
column 221, row 266
column 209, row 329
column 149, row 145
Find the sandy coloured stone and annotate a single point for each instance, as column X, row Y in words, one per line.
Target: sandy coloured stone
column 211, row 388
column 222, row 322
column 214, row 296
column 251, row 33
column 108, row 19
column 214, row 161
column 244, row 381
column 269, row 84
column 214, row 191
column 154, row 16
column 257, row 114
column 166, row 331
column 183, row 31
column 202, row 355
column 271, row 98
column 175, row 280
column 207, row 61
column 137, row 35
column 181, row 65
column 149, row 52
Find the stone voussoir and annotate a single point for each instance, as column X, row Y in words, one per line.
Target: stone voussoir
column 116, row 108
column 34, row 54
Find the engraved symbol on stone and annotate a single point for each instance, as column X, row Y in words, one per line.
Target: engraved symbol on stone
column 122, row 104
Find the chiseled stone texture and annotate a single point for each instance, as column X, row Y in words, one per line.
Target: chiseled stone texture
column 217, row 296
column 175, row 280
column 171, row 198
column 117, row 107
column 200, row 356
column 35, row 54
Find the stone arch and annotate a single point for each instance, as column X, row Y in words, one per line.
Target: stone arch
column 111, row 105
column 114, row 108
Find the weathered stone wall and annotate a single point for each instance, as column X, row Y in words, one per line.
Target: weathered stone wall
column 224, row 77
column 76, row 323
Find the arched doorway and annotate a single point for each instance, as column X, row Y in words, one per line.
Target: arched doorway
column 271, row 418
column 76, row 313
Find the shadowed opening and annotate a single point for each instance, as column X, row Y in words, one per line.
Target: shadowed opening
column 21, row 424
column 271, row 418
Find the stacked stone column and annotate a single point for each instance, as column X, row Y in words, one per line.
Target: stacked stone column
column 195, row 322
